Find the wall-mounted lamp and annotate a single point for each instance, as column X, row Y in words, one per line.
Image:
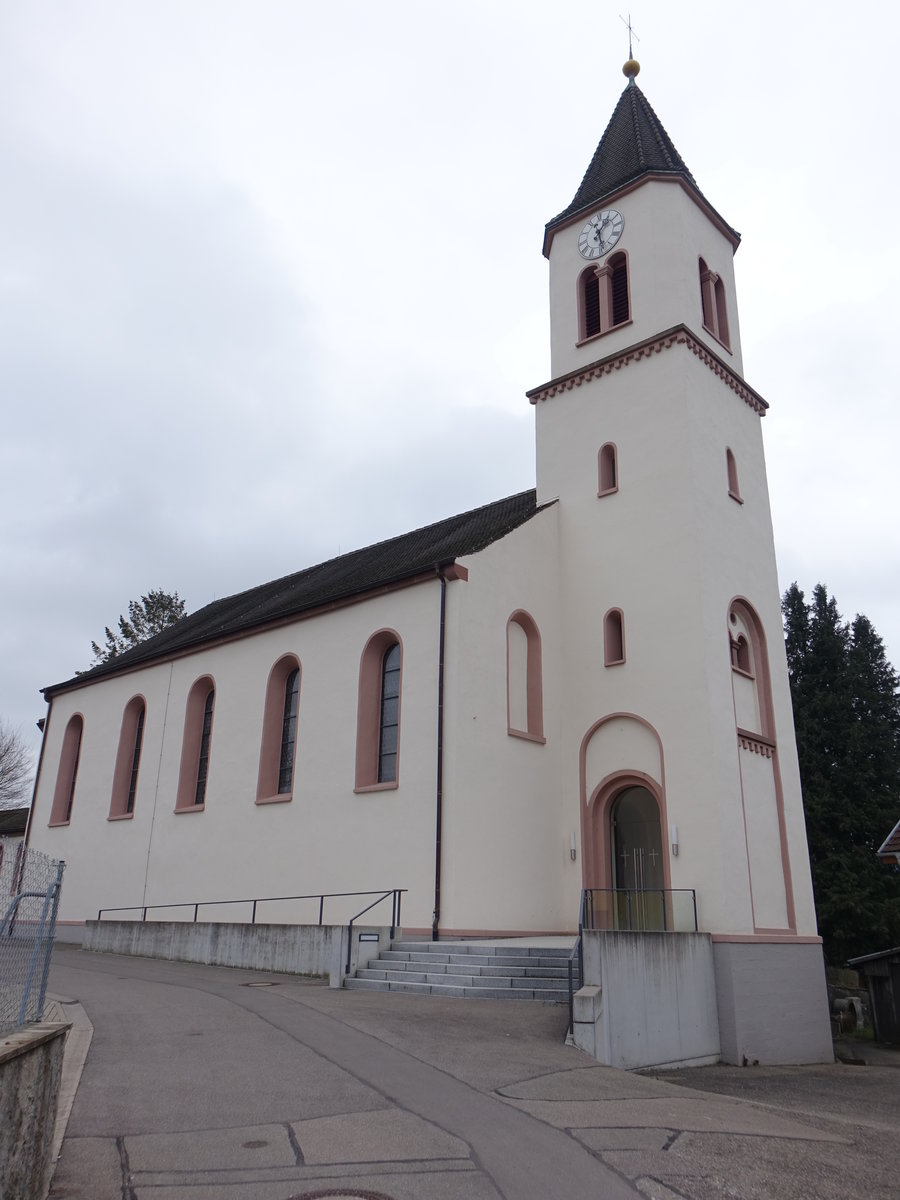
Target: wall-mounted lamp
column 673, row 833
column 572, row 847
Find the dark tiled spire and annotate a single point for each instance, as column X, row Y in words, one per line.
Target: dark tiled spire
column 634, row 144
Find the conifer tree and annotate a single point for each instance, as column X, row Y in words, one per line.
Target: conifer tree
column 847, row 719
column 146, row 617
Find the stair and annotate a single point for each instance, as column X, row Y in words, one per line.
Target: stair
column 471, row 969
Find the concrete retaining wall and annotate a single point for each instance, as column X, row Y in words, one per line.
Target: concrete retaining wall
column 319, row 950
column 30, row 1068
column 773, row 1003
column 649, row 999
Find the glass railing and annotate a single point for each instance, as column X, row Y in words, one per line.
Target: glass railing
column 653, row 910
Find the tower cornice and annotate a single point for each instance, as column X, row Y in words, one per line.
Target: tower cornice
column 678, row 335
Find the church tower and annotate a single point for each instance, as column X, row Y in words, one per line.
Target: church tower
column 678, row 757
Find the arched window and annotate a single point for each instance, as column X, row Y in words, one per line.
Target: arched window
column 734, row 490
column 128, row 760
column 195, row 746
column 607, row 470
column 750, row 672
column 524, row 698
column 603, row 300
column 378, row 714
column 278, row 750
column 66, row 775
column 613, row 638
column 713, row 305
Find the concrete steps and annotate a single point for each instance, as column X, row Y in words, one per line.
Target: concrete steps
column 472, row 969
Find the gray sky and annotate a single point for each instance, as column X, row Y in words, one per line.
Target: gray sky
column 271, row 284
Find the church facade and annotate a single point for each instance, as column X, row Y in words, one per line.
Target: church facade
column 581, row 686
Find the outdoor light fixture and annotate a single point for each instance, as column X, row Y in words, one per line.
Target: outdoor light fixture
column 673, row 831
column 572, row 847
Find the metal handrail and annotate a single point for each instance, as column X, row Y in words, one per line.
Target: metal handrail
column 320, row 896
column 636, row 910
column 396, row 893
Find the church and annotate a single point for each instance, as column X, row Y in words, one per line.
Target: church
column 582, row 686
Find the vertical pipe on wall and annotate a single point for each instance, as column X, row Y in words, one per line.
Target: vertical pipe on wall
column 438, row 816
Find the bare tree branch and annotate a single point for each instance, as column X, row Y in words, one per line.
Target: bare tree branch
column 16, row 768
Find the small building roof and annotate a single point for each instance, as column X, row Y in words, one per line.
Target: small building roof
column 13, row 821
column 388, row 563
column 890, row 851
column 634, row 144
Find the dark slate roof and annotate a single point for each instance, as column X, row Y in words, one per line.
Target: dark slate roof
column 634, row 144
column 13, row 821
column 342, row 578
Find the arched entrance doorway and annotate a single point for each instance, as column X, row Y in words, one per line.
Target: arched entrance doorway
column 635, row 840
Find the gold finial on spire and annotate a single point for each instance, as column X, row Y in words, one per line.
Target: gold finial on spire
column 632, row 67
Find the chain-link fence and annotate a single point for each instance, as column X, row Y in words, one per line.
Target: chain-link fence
column 29, row 896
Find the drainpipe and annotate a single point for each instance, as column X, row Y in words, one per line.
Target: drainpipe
column 439, row 799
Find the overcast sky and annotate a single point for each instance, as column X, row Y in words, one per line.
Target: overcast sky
column 271, row 283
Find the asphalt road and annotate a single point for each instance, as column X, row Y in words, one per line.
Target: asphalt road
column 204, row 1083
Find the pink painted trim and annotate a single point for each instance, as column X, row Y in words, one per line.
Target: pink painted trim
column 595, row 844
column 190, row 809
column 368, row 716
column 609, row 201
column 125, row 816
column 534, row 686
column 455, row 571
column 273, row 729
column 190, row 744
column 586, row 341
column 118, row 802
column 67, row 772
column 734, row 490
column 51, row 824
column 528, row 737
column 278, row 798
column 390, row 786
column 763, row 742
column 773, row 937
column 678, row 335
column 614, row 638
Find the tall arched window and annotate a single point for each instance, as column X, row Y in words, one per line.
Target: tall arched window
column 524, row 697
column 734, row 489
column 607, row 470
column 613, row 638
column 195, row 746
column 713, row 304
column 603, row 297
column 278, row 750
column 128, row 760
column 67, row 774
column 378, row 715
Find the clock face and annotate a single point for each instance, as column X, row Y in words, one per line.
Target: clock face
column 601, row 233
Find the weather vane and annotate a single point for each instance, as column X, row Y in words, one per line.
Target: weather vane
column 627, row 24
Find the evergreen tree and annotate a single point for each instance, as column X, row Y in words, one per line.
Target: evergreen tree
column 847, row 718
column 146, row 617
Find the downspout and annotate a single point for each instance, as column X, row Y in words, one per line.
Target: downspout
column 439, row 799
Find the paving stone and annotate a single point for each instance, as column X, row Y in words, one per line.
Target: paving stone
column 390, row 1135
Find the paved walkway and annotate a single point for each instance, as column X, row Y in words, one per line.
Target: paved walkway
column 203, row 1083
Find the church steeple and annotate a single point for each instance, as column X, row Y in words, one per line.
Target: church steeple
column 634, row 144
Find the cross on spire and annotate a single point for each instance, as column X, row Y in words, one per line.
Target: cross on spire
column 631, row 33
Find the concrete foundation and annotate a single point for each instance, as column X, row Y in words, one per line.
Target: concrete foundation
column 773, row 1003
column 30, row 1069
column 649, row 999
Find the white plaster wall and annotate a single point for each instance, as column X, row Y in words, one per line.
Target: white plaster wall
column 666, row 234
column 327, row 838
column 672, row 549
column 506, row 834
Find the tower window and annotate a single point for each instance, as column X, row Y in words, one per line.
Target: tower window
column 713, row 305
column 613, row 638
column 608, row 470
column 603, row 300
column 734, row 490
